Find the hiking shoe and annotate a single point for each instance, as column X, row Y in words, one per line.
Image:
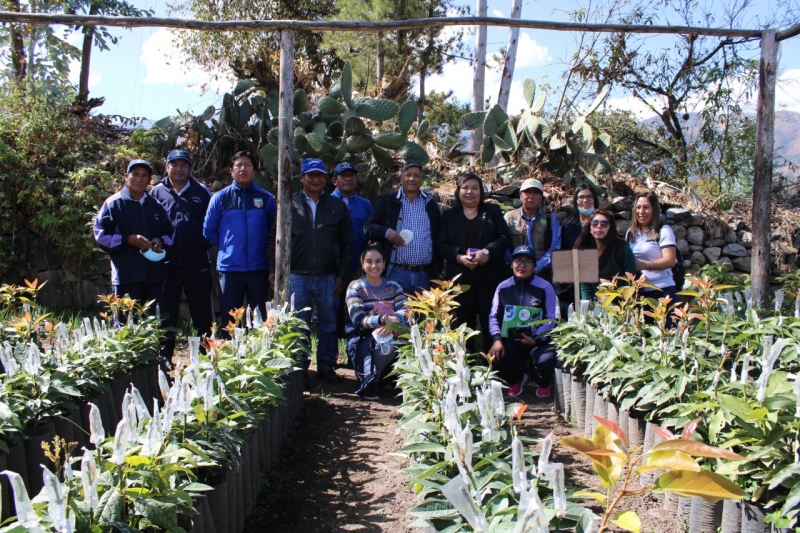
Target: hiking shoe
column 516, row 390
column 371, row 392
column 330, row 376
column 543, row 392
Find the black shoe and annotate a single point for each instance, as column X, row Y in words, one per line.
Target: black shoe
column 371, row 392
column 329, row 376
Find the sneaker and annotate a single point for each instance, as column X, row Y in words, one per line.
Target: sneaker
column 330, row 377
column 516, row 390
column 371, row 392
column 543, row 392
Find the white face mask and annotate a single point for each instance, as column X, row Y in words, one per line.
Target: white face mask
column 586, row 212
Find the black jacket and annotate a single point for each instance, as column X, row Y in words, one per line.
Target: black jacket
column 186, row 212
column 325, row 247
column 492, row 235
column 385, row 216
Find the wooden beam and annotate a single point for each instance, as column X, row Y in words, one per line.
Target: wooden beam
column 762, row 182
column 283, row 235
column 788, row 33
column 319, row 25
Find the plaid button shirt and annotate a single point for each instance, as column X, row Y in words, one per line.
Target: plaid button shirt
column 414, row 217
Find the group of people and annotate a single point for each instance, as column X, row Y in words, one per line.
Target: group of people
column 357, row 262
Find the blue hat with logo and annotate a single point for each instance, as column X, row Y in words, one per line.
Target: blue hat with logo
column 179, row 154
column 344, row 167
column 524, row 250
column 313, row 165
column 139, row 163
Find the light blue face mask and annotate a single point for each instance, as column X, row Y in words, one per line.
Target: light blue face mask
column 586, row 212
column 152, row 255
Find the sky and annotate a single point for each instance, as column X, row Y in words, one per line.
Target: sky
column 145, row 75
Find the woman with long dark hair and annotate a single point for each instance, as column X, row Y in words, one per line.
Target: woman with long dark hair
column 615, row 256
column 654, row 247
column 584, row 203
column 473, row 239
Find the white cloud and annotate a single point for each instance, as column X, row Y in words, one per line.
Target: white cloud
column 456, row 77
column 497, row 13
column 530, row 53
column 94, row 78
column 634, row 105
column 165, row 63
column 787, row 92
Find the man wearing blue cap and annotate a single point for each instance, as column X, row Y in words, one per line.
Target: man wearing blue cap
column 345, row 179
column 322, row 257
column 186, row 202
column 129, row 223
column 239, row 222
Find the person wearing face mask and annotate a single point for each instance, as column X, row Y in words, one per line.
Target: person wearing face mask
column 473, row 239
column 584, row 203
column 530, row 225
column 615, row 255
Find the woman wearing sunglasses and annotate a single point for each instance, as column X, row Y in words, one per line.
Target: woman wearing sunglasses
column 615, row 255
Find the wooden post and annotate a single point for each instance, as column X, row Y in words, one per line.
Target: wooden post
column 478, row 82
column 283, row 243
column 510, row 59
column 762, row 182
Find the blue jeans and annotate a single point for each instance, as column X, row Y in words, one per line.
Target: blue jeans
column 411, row 282
column 368, row 359
column 307, row 287
column 233, row 288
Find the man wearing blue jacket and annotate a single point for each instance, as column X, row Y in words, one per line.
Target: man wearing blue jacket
column 186, row 202
column 239, row 221
column 129, row 223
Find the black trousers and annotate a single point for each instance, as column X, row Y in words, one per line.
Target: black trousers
column 195, row 281
column 539, row 362
column 475, row 302
column 142, row 292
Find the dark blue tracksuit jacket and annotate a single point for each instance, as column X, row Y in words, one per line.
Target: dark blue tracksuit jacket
column 239, row 222
column 122, row 216
column 186, row 210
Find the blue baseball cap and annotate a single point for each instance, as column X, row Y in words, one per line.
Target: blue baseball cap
column 139, row 163
column 313, row 165
column 524, row 250
column 410, row 164
column 344, row 167
column 179, row 154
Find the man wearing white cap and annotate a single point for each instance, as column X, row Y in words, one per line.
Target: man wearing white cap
column 531, row 226
column 135, row 231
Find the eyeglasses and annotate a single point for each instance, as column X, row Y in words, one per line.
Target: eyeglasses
column 600, row 223
column 585, row 198
column 526, row 262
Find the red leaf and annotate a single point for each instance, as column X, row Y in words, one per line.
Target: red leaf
column 613, row 428
column 663, row 433
column 690, row 428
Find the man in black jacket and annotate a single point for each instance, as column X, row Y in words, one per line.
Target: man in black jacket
column 130, row 222
column 186, row 202
column 406, row 224
column 322, row 255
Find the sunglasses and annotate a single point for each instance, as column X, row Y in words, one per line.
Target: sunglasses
column 526, row 262
column 600, row 223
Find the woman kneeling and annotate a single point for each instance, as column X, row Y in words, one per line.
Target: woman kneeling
column 373, row 303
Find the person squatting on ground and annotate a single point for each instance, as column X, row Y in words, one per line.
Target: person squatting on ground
column 345, row 179
column 473, row 239
column 615, row 255
column 188, row 270
column 239, row 222
column 322, row 255
column 531, row 226
column 416, row 215
column 654, row 247
column 135, row 231
column 518, row 301
column 373, row 302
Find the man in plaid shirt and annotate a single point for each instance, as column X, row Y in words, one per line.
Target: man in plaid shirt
column 416, row 215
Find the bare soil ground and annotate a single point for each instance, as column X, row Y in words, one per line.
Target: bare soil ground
column 336, row 471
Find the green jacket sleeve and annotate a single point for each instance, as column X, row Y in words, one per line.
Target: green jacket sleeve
column 588, row 290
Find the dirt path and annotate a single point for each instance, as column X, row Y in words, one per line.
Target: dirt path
column 336, row 471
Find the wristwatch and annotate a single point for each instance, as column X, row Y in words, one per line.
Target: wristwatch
column 485, row 252
column 382, row 320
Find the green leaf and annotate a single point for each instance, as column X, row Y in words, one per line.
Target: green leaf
column 382, row 158
column 628, row 520
column 669, row 459
column 529, row 91
column 346, row 85
column 242, row 86
column 602, row 143
column 208, row 113
column 269, row 153
column 355, row 126
column 406, row 116
column 599, row 496
column 538, row 103
column 434, row 509
column 411, row 151
column 164, row 123
column 314, row 142
column 109, row 508
column 472, row 121
column 358, row 143
column 597, row 101
column 707, row 485
column 495, row 118
column 375, row 108
column 161, row 514
column 390, row 141
column 331, row 106
column 423, row 447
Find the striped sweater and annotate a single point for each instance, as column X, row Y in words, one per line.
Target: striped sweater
column 365, row 302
